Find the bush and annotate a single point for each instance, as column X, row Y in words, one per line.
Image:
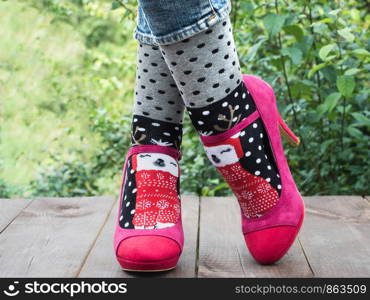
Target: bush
column 65, row 179
column 315, row 55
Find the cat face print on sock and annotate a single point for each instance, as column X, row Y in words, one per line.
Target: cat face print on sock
column 246, row 165
column 151, row 192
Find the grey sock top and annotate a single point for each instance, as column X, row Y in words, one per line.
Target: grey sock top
column 156, row 93
column 205, row 67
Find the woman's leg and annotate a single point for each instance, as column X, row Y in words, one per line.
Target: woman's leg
column 150, row 192
column 158, row 107
column 207, row 72
column 239, row 127
column 157, row 119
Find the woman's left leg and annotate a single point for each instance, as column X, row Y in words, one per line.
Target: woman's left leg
column 149, row 232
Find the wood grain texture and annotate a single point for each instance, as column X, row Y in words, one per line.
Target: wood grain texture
column 222, row 249
column 335, row 236
column 102, row 262
column 9, row 209
column 70, row 237
column 52, row 236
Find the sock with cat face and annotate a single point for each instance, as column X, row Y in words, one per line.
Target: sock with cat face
column 206, row 70
column 150, row 197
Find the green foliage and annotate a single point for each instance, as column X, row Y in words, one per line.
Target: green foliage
column 65, row 179
column 8, row 190
column 316, row 58
column 315, row 54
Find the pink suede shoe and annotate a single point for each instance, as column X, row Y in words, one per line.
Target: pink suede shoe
column 149, row 234
column 274, row 221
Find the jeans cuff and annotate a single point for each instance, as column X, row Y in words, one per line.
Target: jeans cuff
column 187, row 32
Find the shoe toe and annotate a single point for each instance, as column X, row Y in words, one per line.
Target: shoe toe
column 269, row 245
column 148, row 249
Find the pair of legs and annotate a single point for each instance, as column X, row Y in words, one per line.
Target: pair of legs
column 187, row 59
column 202, row 74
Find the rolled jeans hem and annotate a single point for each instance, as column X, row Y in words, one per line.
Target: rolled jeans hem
column 201, row 25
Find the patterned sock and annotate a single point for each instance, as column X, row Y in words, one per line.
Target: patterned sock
column 150, row 197
column 206, row 70
column 158, row 107
column 151, row 192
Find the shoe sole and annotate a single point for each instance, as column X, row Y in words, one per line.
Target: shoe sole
column 147, row 271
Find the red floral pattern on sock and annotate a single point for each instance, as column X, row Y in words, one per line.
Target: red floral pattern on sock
column 157, row 200
column 255, row 195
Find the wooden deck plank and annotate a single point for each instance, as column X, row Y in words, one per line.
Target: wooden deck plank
column 222, row 250
column 102, row 263
column 9, row 209
column 219, row 241
column 335, row 236
column 51, row 237
column 293, row 264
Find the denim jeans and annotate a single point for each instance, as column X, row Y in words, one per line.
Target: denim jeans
column 163, row 22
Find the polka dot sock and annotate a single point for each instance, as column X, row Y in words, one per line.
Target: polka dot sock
column 150, row 197
column 158, row 107
column 206, row 69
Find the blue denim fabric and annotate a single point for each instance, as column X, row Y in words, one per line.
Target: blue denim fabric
column 163, row 22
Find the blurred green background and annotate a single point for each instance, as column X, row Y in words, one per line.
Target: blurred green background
column 67, row 70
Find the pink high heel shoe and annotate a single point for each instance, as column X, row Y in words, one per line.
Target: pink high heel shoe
column 270, row 235
column 153, row 239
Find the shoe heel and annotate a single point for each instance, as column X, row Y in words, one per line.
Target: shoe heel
column 287, row 133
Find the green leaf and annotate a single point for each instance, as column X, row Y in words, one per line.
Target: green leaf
column 294, row 54
column 329, row 73
column 115, row 5
column 294, row 30
column 342, row 22
column 361, row 119
column 330, row 57
column 321, row 109
column 253, row 50
column 324, row 51
column 334, row 12
column 305, row 45
column 273, row 23
column 329, row 104
column 361, row 52
column 247, row 6
column 331, row 101
column 352, row 71
column 324, row 20
column 355, row 133
column 346, row 85
column 317, row 68
column 346, row 34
